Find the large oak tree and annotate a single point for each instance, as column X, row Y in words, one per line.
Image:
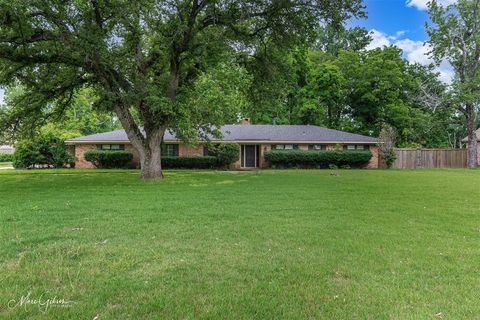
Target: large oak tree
column 149, row 61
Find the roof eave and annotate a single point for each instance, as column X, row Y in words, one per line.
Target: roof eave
column 70, row 142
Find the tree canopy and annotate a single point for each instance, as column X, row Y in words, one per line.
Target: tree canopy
column 145, row 59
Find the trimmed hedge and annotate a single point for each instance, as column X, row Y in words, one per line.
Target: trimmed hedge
column 318, row 159
column 6, row 157
column 196, row 162
column 106, row 159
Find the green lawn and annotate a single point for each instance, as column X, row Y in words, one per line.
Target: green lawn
column 288, row 244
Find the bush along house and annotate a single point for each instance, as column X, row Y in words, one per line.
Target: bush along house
column 260, row 146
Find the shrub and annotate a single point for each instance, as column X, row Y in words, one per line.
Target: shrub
column 389, row 158
column 386, row 145
column 207, row 162
column 226, row 153
column 6, row 157
column 320, row 159
column 109, row 159
column 45, row 151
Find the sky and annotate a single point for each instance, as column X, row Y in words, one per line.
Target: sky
column 402, row 23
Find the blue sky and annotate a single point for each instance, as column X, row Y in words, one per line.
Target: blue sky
column 402, row 23
column 392, row 16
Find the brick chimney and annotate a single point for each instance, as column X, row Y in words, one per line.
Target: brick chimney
column 245, row 121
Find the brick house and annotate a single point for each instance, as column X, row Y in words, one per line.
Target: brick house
column 254, row 141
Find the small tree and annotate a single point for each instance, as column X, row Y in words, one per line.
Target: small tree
column 386, row 144
column 45, row 150
column 225, row 153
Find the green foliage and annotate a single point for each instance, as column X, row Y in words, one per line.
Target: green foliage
column 6, row 157
column 195, row 162
column 225, row 153
column 389, row 158
column 109, row 159
column 320, row 159
column 356, row 91
column 219, row 94
column 326, row 87
column 44, row 151
column 87, row 116
column 154, row 63
column 83, row 118
column 219, row 155
column 334, row 39
column 454, row 37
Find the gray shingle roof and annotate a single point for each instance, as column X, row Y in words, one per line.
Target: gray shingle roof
column 270, row 133
column 7, row 149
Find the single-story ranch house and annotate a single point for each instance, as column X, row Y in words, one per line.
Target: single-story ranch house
column 254, row 141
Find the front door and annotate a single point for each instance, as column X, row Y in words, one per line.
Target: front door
column 249, row 156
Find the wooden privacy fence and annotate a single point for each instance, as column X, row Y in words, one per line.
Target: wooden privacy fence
column 430, row 158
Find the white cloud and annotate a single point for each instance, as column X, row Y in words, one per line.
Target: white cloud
column 379, row 40
column 422, row 4
column 413, row 51
column 446, row 72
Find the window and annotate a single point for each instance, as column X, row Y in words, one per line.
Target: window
column 206, row 152
column 317, row 147
column 284, row 146
column 170, row 150
column 352, row 147
column 111, row 147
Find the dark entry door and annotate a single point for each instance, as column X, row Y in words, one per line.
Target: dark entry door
column 250, row 157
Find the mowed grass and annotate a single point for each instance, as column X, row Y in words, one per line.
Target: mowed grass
column 290, row 244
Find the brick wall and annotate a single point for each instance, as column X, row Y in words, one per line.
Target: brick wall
column 190, row 151
column 80, row 161
column 264, row 148
column 373, row 163
column 80, row 150
column 303, row 147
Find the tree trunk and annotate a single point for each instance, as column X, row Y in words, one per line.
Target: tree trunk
column 150, row 155
column 472, row 137
column 148, row 145
column 150, row 163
